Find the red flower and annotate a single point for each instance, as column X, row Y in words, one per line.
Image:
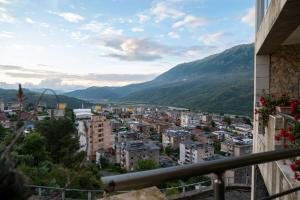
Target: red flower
column 277, row 137
column 289, row 129
column 285, row 146
column 283, row 133
column 294, row 166
column 291, row 138
column 296, row 117
column 263, row 101
column 294, row 106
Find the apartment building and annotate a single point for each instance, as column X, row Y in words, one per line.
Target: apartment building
column 277, row 68
column 134, row 151
column 173, row 138
column 194, row 152
column 101, row 134
column 94, row 132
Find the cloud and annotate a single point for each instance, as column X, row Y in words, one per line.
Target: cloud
column 190, row 21
column 77, row 35
column 137, row 29
column 211, row 38
column 103, row 29
column 135, row 49
column 68, row 16
column 6, row 34
column 29, row 20
column 4, row 2
column 62, row 79
column 164, row 10
column 5, row 17
column 143, row 18
column 249, row 18
column 174, row 35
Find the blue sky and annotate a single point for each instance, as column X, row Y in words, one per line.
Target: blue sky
column 72, row 44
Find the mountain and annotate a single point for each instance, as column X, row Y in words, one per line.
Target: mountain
column 10, row 95
column 218, row 83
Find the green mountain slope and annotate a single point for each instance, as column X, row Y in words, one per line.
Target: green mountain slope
column 219, row 83
column 9, row 95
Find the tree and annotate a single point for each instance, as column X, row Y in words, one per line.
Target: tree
column 3, row 133
column 61, row 139
column 227, row 120
column 246, row 120
column 146, row 164
column 34, row 145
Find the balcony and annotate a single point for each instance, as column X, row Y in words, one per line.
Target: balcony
column 145, row 179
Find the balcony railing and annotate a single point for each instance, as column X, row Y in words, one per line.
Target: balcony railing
column 218, row 167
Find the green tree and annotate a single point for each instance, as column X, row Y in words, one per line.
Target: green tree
column 61, row 139
column 246, row 120
column 3, row 133
column 146, row 164
column 227, row 120
column 35, row 145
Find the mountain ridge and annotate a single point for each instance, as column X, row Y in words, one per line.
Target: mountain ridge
column 199, row 85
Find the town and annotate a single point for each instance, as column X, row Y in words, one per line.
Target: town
column 126, row 138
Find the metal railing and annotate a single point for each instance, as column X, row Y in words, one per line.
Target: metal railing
column 218, row 167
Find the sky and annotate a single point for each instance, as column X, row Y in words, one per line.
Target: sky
column 73, row 44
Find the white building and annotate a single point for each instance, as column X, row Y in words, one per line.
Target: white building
column 194, row 152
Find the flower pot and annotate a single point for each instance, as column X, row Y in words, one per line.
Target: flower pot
column 284, row 109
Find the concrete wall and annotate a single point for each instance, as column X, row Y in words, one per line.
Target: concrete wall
column 285, row 70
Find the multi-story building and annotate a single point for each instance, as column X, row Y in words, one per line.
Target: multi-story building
column 94, row 132
column 235, row 149
column 101, row 134
column 173, row 138
column 189, row 119
column 194, row 152
column 134, row 151
column 2, row 106
column 277, row 67
column 4, row 121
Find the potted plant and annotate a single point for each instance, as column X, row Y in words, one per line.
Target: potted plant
column 269, row 104
column 291, row 137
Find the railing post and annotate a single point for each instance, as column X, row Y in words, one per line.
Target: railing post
column 219, row 187
column 40, row 191
column 89, row 195
column 63, row 194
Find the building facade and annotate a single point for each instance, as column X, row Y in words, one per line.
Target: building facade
column 134, row 151
column 194, row 152
column 277, row 72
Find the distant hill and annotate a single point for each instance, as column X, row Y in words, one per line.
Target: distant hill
column 10, row 95
column 218, row 83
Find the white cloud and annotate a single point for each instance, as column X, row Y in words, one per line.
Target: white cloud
column 211, row 38
column 68, row 16
column 44, row 24
column 174, row 35
column 5, row 16
column 4, row 2
column 249, row 18
column 163, row 10
column 143, row 18
column 6, row 34
column 103, row 29
column 137, row 29
column 79, row 36
column 190, row 21
column 29, row 20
